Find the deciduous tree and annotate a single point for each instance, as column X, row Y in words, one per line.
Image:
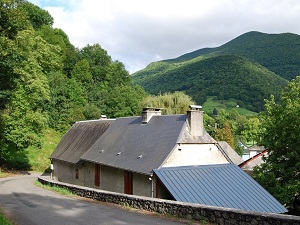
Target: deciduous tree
column 280, row 172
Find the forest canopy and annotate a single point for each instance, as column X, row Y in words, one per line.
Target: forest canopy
column 46, row 82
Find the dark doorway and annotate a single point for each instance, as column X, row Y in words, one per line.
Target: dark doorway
column 128, row 184
column 97, row 175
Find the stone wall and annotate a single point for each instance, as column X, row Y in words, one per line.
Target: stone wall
column 215, row 215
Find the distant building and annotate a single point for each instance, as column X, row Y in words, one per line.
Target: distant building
column 252, row 151
column 255, row 160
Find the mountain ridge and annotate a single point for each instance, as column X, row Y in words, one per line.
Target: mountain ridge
column 257, row 39
column 267, row 61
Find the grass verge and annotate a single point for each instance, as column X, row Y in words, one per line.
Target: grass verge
column 3, row 175
column 39, row 158
column 4, row 220
column 59, row 190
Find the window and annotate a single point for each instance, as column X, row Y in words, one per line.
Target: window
column 128, row 184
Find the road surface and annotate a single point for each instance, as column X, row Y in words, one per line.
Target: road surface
column 27, row 204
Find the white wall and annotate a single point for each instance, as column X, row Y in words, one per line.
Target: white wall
column 195, row 154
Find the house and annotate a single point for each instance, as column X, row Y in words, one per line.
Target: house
column 128, row 155
column 252, row 151
column 255, row 160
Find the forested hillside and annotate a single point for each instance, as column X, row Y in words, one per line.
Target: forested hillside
column 248, row 69
column 223, row 76
column 46, row 82
column 279, row 53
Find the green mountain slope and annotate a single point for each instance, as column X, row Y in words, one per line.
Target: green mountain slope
column 224, row 76
column 279, row 53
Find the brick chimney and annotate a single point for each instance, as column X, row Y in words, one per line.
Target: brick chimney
column 195, row 120
column 148, row 112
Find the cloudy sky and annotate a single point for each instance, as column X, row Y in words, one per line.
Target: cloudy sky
column 137, row 32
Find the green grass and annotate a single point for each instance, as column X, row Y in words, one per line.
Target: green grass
column 59, row 190
column 39, row 158
column 2, row 175
column 4, row 220
column 211, row 103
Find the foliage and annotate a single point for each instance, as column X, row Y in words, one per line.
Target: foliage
column 171, row 103
column 252, row 129
column 125, row 101
column 280, row 172
column 225, row 134
column 218, row 127
column 12, row 18
column 46, row 82
column 67, row 101
column 36, row 15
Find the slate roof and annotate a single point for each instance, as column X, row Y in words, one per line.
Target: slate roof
column 256, row 148
column 234, row 157
column 79, row 139
column 130, row 145
column 224, row 185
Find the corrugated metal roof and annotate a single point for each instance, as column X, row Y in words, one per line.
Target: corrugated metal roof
column 224, row 185
column 128, row 144
column 79, row 139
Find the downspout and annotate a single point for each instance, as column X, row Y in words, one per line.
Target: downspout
column 152, row 185
column 51, row 170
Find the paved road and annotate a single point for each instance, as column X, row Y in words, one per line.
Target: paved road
column 27, row 204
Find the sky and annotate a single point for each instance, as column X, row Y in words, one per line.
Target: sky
column 138, row 32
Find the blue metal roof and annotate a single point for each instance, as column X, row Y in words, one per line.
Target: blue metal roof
column 223, row 185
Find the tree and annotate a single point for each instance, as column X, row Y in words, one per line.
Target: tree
column 36, row 15
column 29, row 59
column 125, row 101
column 252, row 129
column 81, row 71
column 67, row 103
column 225, row 134
column 12, row 18
column 280, row 172
column 171, row 103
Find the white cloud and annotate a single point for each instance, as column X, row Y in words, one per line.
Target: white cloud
column 137, row 32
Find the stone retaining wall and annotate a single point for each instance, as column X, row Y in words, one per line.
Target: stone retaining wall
column 197, row 212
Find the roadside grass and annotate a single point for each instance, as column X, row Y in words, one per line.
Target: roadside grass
column 68, row 193
column 3, row 174
column 59, row 190
column 39, row 158
column 4, row 220
column 33, row 158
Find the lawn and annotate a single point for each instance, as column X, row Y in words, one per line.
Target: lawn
column 230, row 104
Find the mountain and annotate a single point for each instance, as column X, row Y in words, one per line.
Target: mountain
column 280, row 53
column 248, row 69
